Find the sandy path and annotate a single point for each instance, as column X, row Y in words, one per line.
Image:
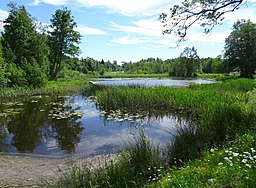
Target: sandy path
column 28, row 171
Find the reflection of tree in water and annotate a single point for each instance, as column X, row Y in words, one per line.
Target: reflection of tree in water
column 68, row 131
column 25, row 127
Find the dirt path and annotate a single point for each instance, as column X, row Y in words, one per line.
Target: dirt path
column 28, row 171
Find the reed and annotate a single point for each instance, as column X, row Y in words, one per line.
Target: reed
column 133, row 168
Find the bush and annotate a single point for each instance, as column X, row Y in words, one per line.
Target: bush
column 34, row 74
column 3, row 79
column 16, row 76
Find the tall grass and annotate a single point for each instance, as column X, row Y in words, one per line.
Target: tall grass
column 133, row 168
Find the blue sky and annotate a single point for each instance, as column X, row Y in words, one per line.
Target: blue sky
column 129, row 30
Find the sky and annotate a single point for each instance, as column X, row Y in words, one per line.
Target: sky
column 129, row 30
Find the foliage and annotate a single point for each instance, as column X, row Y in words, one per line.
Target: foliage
column 241, row 48
column 19, row 37
column 62, row 39
column 18, row 32
column 16, row 76
column 35, row 76
column 187, row 65
column 3, row 79
column 205, row 13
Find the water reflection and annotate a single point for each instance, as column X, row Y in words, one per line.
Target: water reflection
column 61, row 125
column 150, row 82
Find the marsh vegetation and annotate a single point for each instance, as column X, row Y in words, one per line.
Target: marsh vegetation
column 217, row 148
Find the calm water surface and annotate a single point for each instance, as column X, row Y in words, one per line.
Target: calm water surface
column 63, row 125
column 150, row 82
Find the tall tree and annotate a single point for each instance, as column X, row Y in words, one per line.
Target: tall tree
column 191, row 60
column 241, row 48
column 62, row 39
column 25, row 66
column 206, row 13
column 3, row 79
column 19, row 30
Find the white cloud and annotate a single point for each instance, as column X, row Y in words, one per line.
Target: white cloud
column 3, row 14
column 146, row 27
column 129, row 7
column 244, row 12
column 128, row 40
column 84, row 30
column 152, row 43
column 214, row 37
column 51, row 2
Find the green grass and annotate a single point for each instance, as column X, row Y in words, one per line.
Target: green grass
column 219, row 77
column 61, row 86
column 232, row 166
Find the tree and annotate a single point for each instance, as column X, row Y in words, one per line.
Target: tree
column 191, row 59
column 62, row 39
column 3, row 79
column 206, row 13
column 20, row 36
column 240, row 48
column 18, row 32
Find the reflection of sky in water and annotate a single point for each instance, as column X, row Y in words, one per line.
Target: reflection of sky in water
column 98, row 135
column 149, row 82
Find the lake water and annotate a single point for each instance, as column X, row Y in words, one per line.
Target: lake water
column 64, row 125
column 150, row 82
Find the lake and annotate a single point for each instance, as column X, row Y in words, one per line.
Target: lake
column 75, row 125
column 151, row 82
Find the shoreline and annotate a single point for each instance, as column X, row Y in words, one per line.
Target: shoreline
column 33, row 171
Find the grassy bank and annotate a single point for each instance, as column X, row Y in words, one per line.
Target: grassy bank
column 231, row 166
column 61, row 86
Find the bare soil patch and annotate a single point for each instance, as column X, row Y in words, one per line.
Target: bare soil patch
column 34, row 171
